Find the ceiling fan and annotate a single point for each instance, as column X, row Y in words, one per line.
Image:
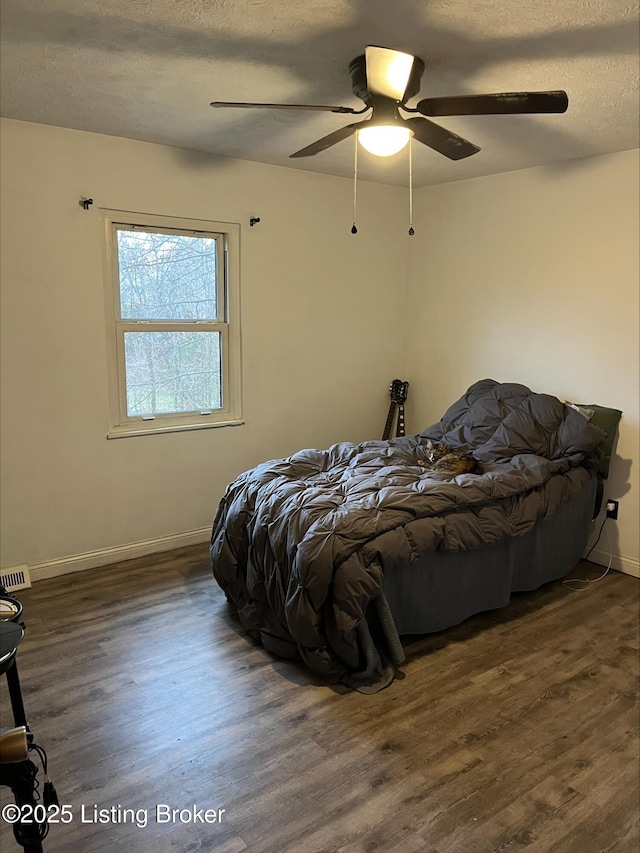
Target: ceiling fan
column 385, row 80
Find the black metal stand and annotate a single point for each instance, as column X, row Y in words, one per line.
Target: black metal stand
column 15, row 693
column 20, row 775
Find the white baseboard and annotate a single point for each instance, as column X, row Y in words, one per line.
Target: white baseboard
column 621, row 564
column 94, row 559
column 105, row 556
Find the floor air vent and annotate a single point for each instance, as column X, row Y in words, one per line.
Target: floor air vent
column 15, row 577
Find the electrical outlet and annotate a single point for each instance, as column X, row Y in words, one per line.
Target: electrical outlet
column 612, row 509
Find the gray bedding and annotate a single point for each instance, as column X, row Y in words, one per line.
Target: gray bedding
column 301, row 545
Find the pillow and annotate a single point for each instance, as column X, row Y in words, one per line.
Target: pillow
column 607, row 420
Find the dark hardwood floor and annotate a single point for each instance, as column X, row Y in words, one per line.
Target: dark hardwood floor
column 516, row 730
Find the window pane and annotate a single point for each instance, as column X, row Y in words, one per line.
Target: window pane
column 172, row 372
column 166, row 276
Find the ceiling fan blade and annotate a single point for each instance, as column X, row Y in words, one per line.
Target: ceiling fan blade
column 441, row 140
column 388, row 71
column 287, row 107
column 508, row 103
column 327, row 141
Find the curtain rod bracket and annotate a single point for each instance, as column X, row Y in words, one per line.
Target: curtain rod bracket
column 86, row 203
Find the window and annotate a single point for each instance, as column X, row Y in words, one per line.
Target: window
column 173, row 323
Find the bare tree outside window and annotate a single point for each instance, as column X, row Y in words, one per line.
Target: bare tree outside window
column 169, row 277
column 172, row 372
column 166, row 276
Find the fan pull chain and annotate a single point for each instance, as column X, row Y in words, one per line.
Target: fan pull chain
column 354, row 230
column 411, row 231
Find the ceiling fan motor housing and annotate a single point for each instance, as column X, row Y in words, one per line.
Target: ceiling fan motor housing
column 358, row 71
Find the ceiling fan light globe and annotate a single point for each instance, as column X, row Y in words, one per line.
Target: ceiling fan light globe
column 383, row 140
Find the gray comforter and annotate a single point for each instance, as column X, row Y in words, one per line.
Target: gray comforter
column 299, row 545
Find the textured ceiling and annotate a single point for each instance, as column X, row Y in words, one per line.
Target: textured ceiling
column 147, row 69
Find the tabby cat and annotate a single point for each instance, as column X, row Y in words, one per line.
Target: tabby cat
column 449, row 460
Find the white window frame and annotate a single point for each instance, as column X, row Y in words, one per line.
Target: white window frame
column 227, row 323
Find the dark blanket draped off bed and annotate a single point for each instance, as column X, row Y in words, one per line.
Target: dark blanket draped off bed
column 300, row 545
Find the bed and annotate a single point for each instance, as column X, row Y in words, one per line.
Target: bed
column 332, row 555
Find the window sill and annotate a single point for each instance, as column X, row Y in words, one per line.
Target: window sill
column 128, row 431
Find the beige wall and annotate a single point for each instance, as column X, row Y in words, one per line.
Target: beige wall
column 322, row 314
column 532, row 277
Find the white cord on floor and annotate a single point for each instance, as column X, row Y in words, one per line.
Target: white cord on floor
column 587, row 583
